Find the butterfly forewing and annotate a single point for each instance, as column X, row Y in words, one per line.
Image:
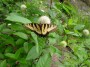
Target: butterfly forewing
column 44, row 29
column 34, row 27
column 51, row 27
column 38, row 29
column 29, row 26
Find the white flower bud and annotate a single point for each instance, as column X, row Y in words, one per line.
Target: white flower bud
column 86, row 32
column 23, row 7
column 41, row 2
column 42, row 10
column 9, row 24
column 63, row 43
column 44, row 20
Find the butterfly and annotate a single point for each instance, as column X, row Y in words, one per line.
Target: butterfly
column 41, row 29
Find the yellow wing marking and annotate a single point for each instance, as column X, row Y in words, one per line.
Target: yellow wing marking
column 29, row 26
column 52, row 27
column 44, row 29
column 38, row 29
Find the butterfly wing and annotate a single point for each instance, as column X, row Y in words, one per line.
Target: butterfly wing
column 51, row 28
column 46, row 28
column 38, row 28
column 34, row 27
column 29, row 26
column 41, row 29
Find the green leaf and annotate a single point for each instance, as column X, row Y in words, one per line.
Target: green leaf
column 33, row 54
column 80, row 51
column 1, row 56
column 44, row 61
column 21, row 34
column 6, row 30
column 87, row 43
column 66, row 9
column 52, row 14
column 17, row 54
column 14, row 56
column 54, row 50
column 22, row 61
column 7, row 39
column 8, row 49
column 3, row 64
column 79, row 27
column 10, row 55
column 59, row 27
column 87, row 62
column 76, row 33
column 2, row 26
column 20, row 41
column 26, row 47
column 16, row 18
column 52, row 40
column 17, row 27
column 70, row 22
column 34, row 36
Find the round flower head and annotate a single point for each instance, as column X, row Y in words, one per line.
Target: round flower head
column 86, row 32
column 23, row 7
column 63, row 43
column 44, row 20
column 65, row 25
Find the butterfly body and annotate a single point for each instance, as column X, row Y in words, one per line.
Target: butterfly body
column 41, row 29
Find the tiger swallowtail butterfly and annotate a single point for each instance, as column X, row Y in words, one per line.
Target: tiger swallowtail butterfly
column 41, row 29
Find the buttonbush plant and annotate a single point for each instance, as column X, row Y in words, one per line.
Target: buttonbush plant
column 20, row 47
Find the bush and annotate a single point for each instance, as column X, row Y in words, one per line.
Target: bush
column 21, row 47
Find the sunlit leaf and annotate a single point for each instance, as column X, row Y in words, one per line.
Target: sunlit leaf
column 34, row 36
column 71, row 22
column 21, row 35
column 32, row 54
column 3, row 64
column 44, row 61
column 16, row 18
